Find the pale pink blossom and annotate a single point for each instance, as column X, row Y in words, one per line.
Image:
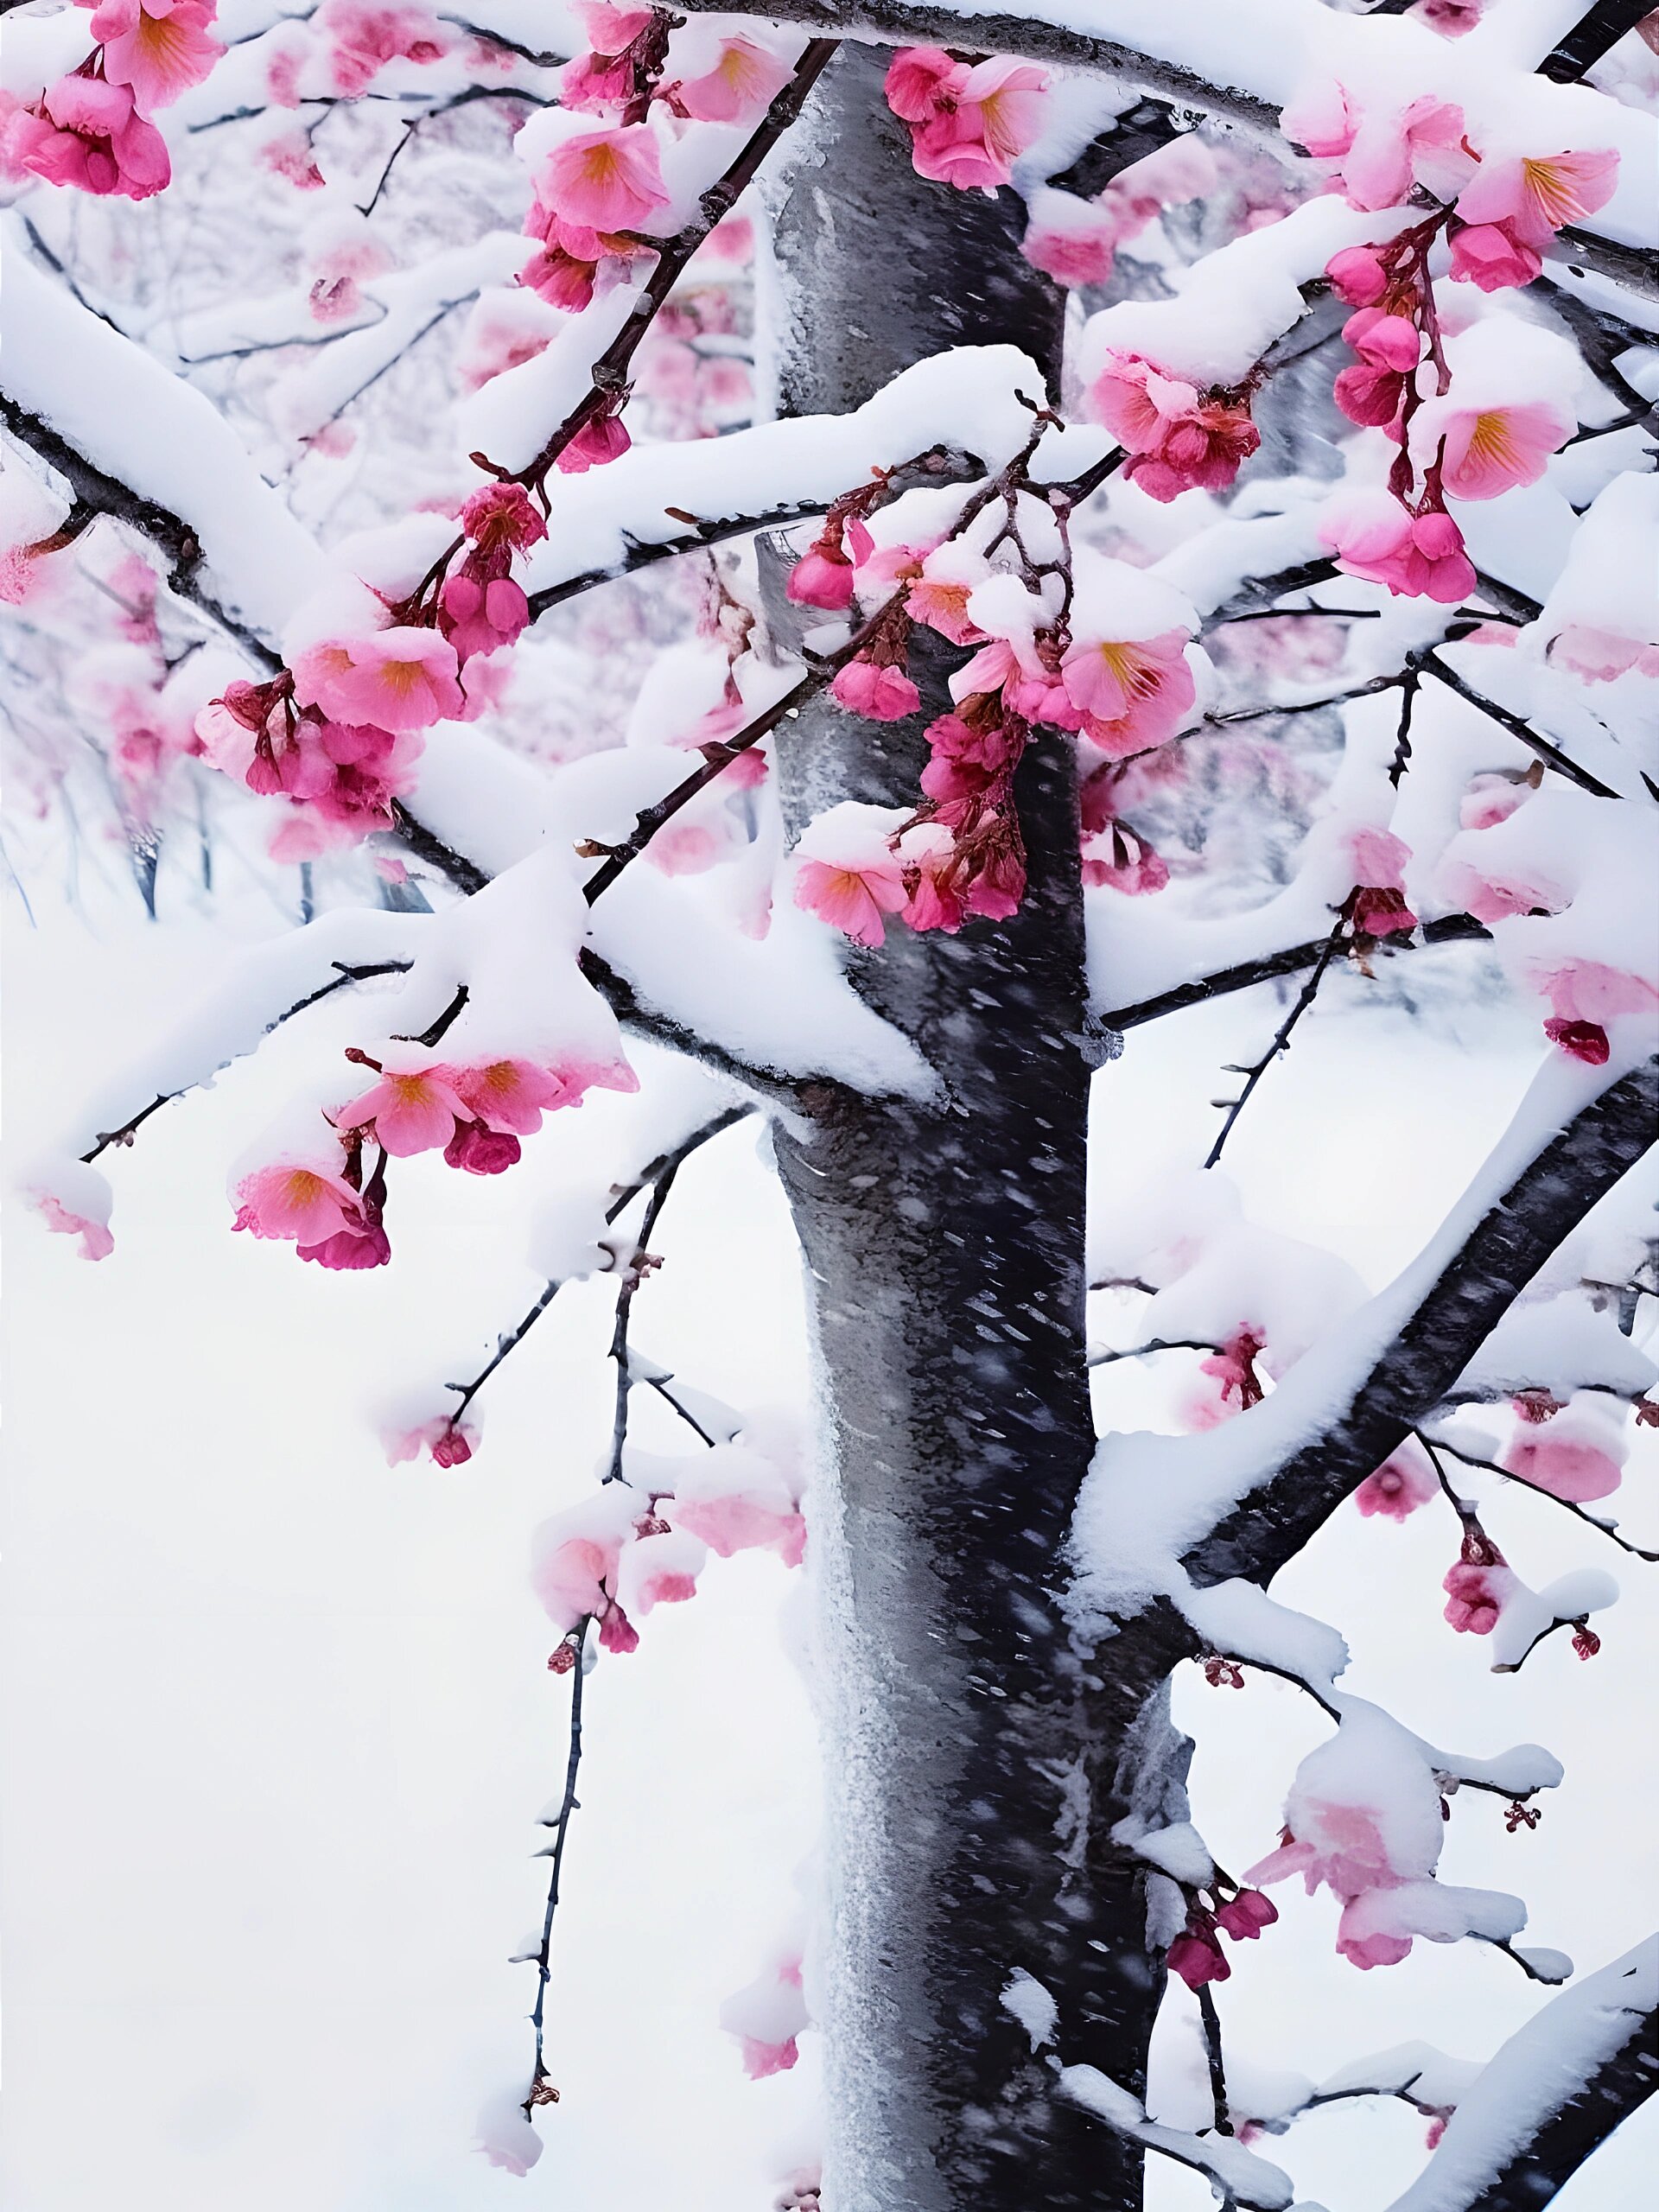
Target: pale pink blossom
column 413, row 1108
column 450, row 1443
column 1338, row 1845
column 606, row 179
column 1415, row 556
column 364, row 38
column 742, row 82
column 96, row 1241
column 1601, row 656
column 1121, row 860
column 739, row 1524
column 1134, row 693
column 1533, row 197
column 1365, row 1946
column 822, row 577
column 510, row 1094
column 1079, row 251
column 1489, row 450
column 397, row 680
column 1398, row 1487
column 939, row 595
column 1584, row 996
column 1390, row 152
column 847, row 872
column 601, row 439
column 1571, row 1459
column 159, row 49
column 1492, row 893
column 917, row 81
column 290, row 155
column 293, row 1201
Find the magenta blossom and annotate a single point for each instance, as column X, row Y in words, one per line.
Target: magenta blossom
column 87, row 133
column 608, row 179
column 880, row 694
column 1244, row 1917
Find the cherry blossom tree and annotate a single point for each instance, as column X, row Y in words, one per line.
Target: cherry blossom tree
column 1124, row 504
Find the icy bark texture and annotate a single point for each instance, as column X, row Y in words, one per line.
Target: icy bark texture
column 944, row 1247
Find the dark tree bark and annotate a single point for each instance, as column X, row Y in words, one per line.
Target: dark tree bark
column 944, row 1244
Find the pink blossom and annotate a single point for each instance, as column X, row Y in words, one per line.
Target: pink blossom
column 1323, row 118
column 1178, row 438
column 413, row 1108
column 1358, row 276
column 159, row 49
column 1135, row 693
column 1601, row 656
column 1078, row 252
column 822, row 577
column 917, row 80
column 1244, row 1917
column 762, row 2059
column 363, row 38
column 289, row 1200
column 738, row 1523
column 359, row 1244
column 1584, row 996
column 617, row 1632
column 1484, row 255
column 1535, row 197
column 481, row 1151
column 1490, row 450
column 88, row 133
column 1198, row 1960
column 1122, row 860
column 502, row 516
column 1576, row 1465
column 608, row 179
column 981, row 123
column 742, row 82
column 1368, row 1948
column 880, row 694
column 601, row 439
column 1391, row 152
column 510, row 1094
column 852, row 900
column 451, row 1442
column 940, row 600
column 1234, row 1367
column 290, row 155
column 397, row 680
column 96, row 1241
column 1415, row 556
column 1399, row 1486
column 1475, row 1593
column 1492, row 897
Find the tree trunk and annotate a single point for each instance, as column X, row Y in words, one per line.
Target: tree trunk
column 974, row 1768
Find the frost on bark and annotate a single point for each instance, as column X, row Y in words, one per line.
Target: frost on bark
column 944, row 1251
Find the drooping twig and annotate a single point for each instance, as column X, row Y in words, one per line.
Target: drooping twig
column 666, row 1165
column 541, row 2089
column 1253, row 1073
column 1609, row 1528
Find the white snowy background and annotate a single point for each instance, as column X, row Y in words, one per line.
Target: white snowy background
column 279, row 1726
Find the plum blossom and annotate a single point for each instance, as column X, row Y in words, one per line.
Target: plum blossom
column 87, row 133
column 414, row 1106
column 1198, row 1958
column 767, row 2017
column 449, row 1442
column 1484, row 255
column 745, row 79
column 1132, row 693
column 304, row 1203
column 847, row 872
column 967, row 124
column 1490, row 450
column 396, row 679
column 1379, row 902
column 1178, row 438
column 97, row 1242
column 1575, row 1457
column 881, row 692
column 1601, row 656
column 1475, row 1592
column 606, row 179
column 1531, row 198
column 1416, row 555
column 1244, row 1917
column 1584, row 996
column 158, row 47
column 1399, row 1486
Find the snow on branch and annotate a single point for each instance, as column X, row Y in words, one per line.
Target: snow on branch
column 1241, row 1500
column 1240, row 2176
column 138, row 426
column 1557, row 2088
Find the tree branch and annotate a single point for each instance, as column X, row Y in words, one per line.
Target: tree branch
column 1450, row 929
column 1594, row 34
column 1454, row 1317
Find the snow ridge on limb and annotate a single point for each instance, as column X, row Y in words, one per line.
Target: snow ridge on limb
column 1239, row 2176
column 138, row 424
column 1557, row 2088
column 1244, row 64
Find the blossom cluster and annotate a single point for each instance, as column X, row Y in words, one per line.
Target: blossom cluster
column 332, row 1211
column 969, row 121
column 91, row 130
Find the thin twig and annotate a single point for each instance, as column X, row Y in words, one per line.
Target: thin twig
column 1305, row 997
